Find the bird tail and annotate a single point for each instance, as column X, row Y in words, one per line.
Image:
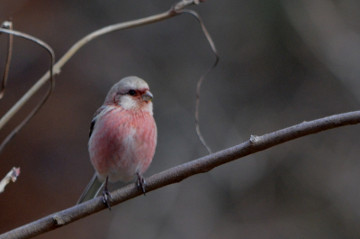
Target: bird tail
column 91, row 190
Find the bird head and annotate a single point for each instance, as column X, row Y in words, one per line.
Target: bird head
column 131, row 93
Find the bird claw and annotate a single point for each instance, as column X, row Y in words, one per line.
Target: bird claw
column 106, row 198
column 141, row 183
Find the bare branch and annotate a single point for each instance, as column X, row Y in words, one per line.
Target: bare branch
column 7, row 116
column 82, row 42
column 11, row 176
column 183, row 171
column 202, row 78
column 7, row 25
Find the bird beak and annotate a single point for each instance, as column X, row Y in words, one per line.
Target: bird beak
column 147, row 96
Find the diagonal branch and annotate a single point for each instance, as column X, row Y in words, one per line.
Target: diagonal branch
column 11, row 176
column 183, row 171
column 173, row 11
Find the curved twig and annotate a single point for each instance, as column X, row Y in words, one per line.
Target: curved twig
column 180, row 172
column 202, row 78
column 6, row 117
column 82, row 42
column 7, row 25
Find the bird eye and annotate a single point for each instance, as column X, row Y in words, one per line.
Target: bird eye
column 132, row 92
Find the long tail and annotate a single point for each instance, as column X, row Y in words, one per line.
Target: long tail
column 91, row 190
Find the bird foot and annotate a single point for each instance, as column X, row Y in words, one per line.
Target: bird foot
column 106, row 197
column 141, row 183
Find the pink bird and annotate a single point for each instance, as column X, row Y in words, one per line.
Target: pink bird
column 123, row 137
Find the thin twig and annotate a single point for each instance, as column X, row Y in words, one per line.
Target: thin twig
column 11, row 176
column 82, row 42
column 47, row 95
column 202, row 78
column 180, row 172
column 7, row 25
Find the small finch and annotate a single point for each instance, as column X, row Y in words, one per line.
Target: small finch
column 123, row 137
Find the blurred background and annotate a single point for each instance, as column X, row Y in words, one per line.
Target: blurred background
column 282, row 62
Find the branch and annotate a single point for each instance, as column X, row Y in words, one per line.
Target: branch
column 173, row 11
column 183, row 171
column 202, row 78
column 7, row 25
column 36, row 109
column 11, row 176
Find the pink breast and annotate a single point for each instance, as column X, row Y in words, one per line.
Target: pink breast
column 122, row 144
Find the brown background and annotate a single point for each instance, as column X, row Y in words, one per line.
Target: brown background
column 282, row 62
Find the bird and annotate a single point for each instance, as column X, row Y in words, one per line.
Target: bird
column 122, row 138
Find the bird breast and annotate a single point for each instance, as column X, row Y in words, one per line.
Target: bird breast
column 122, row 144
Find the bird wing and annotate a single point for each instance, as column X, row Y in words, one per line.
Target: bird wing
column 92, row 124
column 104, row 109
column 95, row 117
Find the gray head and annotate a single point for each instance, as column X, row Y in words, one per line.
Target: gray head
column 130, row 93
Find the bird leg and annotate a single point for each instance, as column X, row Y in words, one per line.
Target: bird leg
column 106, row 195
column 141, row 183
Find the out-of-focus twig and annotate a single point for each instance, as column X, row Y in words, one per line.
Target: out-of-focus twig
column 202, row 78
column 7, row 25
column 7, row 116
column 11, row 176
column 180, row 172
column 331, row 37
